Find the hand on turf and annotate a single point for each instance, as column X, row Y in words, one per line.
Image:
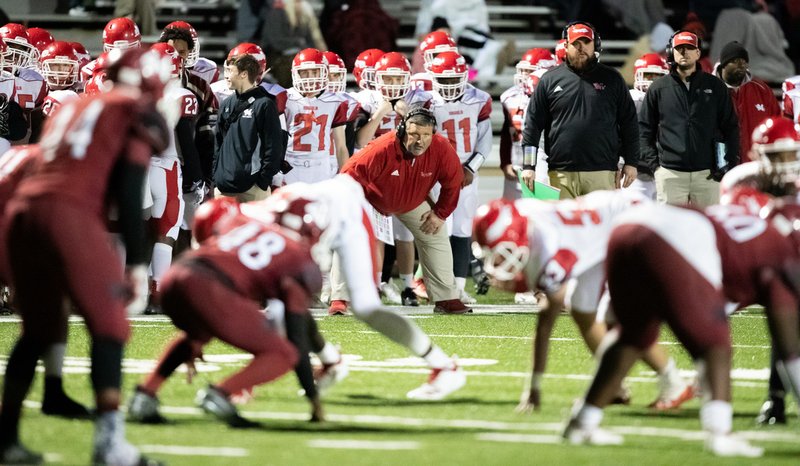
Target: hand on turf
column 529, row 402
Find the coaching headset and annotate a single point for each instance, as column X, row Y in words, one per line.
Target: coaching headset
column 598, row 43
column 669, row 49
column 415, row 110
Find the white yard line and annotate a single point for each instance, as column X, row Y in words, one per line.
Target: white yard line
column 520, row 438
column 345, row 444
column 193, row 450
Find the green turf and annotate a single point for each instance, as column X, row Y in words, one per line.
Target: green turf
column 371, row 405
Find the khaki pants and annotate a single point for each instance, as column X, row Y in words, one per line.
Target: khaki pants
column 435, row 255
column 679, row 188
column 574, row 184
column 253, row 194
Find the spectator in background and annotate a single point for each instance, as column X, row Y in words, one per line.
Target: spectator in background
column 417, row 59
column 289, row 27
column 352, row 26
column 249, row 20
column 684, row 117
column 639, row 16
column 752, row 98
column 142, row 12
column 588, row 118
column 250, row 144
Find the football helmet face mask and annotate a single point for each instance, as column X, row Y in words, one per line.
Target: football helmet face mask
column 532, row 60
column 194, row 54
column 502, row 233
column 648, row 64
column 777, row 142
column 121, row 33
column 167, row 51
column 20, row 53
column 337, row 72
column 393, row 76
column 435, row 43
column 364, row 68
column 59, row 65
column 248, row 48
column 310, row 71
column 211, row 215
column 449, row 73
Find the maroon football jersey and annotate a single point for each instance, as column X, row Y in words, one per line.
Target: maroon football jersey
column 82, row 143
column 17, row 163
column 255, row 257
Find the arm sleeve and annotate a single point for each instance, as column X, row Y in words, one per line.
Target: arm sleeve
column 648, row 124
column 537, row 117
column 505, row 139
column 127, row 185
column 184, row 135
column 273, row 147
column 295, row 300
column 729, row 125
column 483, row 142
column 628, row 125
column 450, row 178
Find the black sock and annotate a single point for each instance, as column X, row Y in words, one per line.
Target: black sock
column 461, row 255
column 776, row 388
column 389, row 256
column 19, row 375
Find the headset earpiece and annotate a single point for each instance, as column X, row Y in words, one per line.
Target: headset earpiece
column 669, row 50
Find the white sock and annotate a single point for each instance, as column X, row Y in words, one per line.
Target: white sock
column 329, row 354
column 716, row 416
column 589, row 416
column 460, row 283
column 408, row 279
column 436, row 358
column 162, row 259
column 53, row 359
column 669, row 374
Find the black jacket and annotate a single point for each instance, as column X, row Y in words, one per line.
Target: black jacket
column 679, row 128
column 588, row 119
column 250, row 144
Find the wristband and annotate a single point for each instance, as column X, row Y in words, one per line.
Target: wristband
column 528, row 157
column 475, row 162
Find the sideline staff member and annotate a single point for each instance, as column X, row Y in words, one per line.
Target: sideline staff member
column 397, row 171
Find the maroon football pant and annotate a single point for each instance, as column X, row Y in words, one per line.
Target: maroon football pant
column 203, row 307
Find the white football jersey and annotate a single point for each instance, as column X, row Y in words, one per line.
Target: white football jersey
column 55, row 99
column 422, row 81
column 8, row 90
column 187, row 102
column 569, row 237
column 309, row 121
column 515, row 105
column 369, row 101
column 31, row 89
column 206, row 69
column 638, row 98
column 465, row 122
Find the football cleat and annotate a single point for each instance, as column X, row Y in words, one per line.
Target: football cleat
column 479, row 276
column 330, row 374
column 525, row 298
column 213, row 401
column 338, row 308
column 441, row 382
column 466, row 298
column 16, row 453
column 576, row 434
column 730, row 445
column 143, row 408
column 389, row 291
column 409, row 297
column 772, row 412
column 420, row 289
column 672, row 399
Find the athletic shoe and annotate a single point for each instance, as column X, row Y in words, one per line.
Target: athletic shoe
column 143, row 408
column 389, row 291
column 213, row 401
column 525, row 298
column 338, row 308
column 451, row 306
column 623, row 397
column 479, row 276
column 730, row 445
column 576, row 434
column 466, row 298
column 772, row 412
column 420, row 289
column 441, row 382
column 16, row 453
column 409, row 297
column 671, row 398
column 330, row 374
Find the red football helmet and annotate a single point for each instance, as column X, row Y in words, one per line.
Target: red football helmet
column 147, row 70
column 211, row 215
column 532, row 81
column 121, row 33
column 310, row 71
column 561, row 51
column 81, row 53
column 532, row 60
column 434, row 43
column 97, row 84
column 167, row 51
column 393, row 76
column 777, row 142
column 40, row 38
column 59, row 65
column 502, row 232
column 194, row 54
column 449, row 73
column 337, row 72
column 20, row 53
column 364, row 68
column 248, row 48
column 647, row 64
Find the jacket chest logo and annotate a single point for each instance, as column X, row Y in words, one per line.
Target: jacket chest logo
column 248, row 113
column 599, row 86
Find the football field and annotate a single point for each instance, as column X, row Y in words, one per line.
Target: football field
column 370, row 421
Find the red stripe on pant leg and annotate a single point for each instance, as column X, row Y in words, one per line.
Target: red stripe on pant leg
column 365, row 220
column 169, row 219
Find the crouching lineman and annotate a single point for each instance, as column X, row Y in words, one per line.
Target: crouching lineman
column 218, row 291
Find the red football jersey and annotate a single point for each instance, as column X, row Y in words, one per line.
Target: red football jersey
column 82, row 143
column 16, row 164
column 255, row 257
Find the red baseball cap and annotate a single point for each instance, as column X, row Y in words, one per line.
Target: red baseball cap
column 684, row 38
column 578, row 30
